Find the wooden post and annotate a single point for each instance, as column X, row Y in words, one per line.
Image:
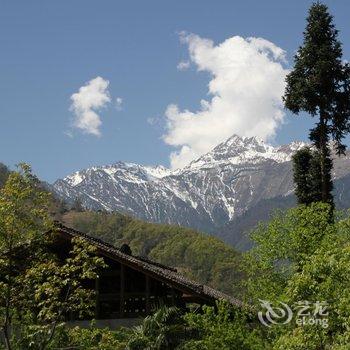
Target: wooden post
column 97, row 291
column 148, row 306
column 122, row 290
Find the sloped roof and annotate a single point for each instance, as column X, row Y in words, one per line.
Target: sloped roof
column 159, row 271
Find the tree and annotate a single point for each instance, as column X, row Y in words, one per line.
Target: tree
column 306, row 170
column 302, row 256
column 92, row 338
column 302, row 160
column 165, row 329
column 37, row 289
column 22, row 215
column 53, row 289
column 225, row 327
column 281, row 248
column 320, row 85
column 324, row 278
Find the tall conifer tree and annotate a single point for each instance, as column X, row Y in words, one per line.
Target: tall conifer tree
column 306, row 170
column 320, row 85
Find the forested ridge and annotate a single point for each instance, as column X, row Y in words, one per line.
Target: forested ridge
column 198, row 256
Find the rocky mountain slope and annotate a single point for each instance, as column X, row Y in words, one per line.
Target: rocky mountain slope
column 236, row 231
column 207, row 194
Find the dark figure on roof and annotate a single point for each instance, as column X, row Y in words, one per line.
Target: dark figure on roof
column 125, row 248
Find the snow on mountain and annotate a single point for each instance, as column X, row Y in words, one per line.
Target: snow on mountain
column 206, row 194
column 129, row 171
column 74, row 179
column 239, row 150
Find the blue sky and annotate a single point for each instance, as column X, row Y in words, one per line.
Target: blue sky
column 49, row 49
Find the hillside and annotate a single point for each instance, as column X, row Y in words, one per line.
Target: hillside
column 198, row 256
column 236, row 232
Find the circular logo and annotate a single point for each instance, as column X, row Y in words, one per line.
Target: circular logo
column 281, row 314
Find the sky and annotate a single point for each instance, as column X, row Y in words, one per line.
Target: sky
column 87, row 83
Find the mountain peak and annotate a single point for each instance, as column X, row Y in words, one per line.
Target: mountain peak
column 240, row 149
column 242, row 139
column 130, row 172
column 238, row 143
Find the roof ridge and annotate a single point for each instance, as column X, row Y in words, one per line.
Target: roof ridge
column 163, row 271
column 112, row 246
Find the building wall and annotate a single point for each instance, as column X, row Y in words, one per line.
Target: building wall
column 123, row 292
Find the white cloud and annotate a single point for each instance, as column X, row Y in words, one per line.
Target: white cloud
column 183, row 65
column 118, row 103
column 245, row 88
column 90, row 98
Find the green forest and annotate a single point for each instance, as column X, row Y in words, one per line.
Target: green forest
column 293, row 283
column 198, row 256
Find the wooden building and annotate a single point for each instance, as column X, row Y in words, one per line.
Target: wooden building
column 133, row 286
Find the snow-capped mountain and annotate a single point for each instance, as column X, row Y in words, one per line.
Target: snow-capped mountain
column 206, row 194
column 239, row 150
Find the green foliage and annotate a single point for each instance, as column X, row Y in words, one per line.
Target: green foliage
column 306, row 170
column 320, row 85
column 106, row 226
column 37, row 290
column 23, row 218
column 55, row 288
column 225, row 328
column 163, row 330
column 221, row 327
column 299, row 256
column 198, row 256
column 324, row 277
column 320, row 80
column 282, row 246
column 91, row 338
